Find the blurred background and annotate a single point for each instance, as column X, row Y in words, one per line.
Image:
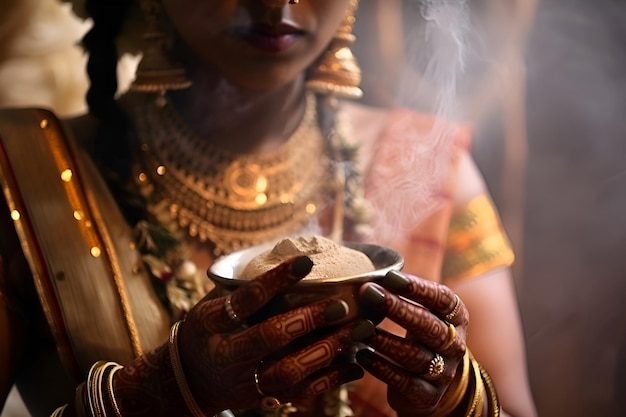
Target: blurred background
column 546, row 90
column 572, row 278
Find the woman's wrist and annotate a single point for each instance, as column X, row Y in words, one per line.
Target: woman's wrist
column 153, row 385
column 179, row 373
column 147, row 387
column 471, row 394
column 458, row 388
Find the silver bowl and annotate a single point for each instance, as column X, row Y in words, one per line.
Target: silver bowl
column 225, row 270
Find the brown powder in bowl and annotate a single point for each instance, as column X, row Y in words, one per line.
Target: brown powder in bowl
column 329, row 258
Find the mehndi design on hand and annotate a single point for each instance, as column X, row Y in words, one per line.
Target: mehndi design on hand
column 417, row 368
column 229, row 358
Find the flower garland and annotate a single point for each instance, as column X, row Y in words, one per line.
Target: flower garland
column 175, row 278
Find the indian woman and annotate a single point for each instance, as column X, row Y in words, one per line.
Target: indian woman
column 236, row 133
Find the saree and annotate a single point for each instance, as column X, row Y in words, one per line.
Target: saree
column 95, row 291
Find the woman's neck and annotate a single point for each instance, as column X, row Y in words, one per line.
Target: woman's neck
column 241, row 120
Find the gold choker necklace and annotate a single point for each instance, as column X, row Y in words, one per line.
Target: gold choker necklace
column 229, row 199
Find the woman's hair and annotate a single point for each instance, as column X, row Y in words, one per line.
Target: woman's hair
column 112, row 150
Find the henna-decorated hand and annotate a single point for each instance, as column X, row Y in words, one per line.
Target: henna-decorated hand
column 420, row 367
column 232, row 364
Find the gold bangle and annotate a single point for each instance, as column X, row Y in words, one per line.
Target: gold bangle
column 90, row 376
column 94, row 394
column 475, row 407
column 493, row 403
column 116, row 408
column 179, row 373
column 460, row 390
column 95, row 387
column 59, row 411
column 469, row 398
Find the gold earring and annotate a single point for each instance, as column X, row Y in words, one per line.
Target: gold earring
column 337, row 73
column 157, row 71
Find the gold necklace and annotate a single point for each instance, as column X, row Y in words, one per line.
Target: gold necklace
column 229, row 199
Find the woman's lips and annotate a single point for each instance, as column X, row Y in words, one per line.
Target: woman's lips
column 271, row 38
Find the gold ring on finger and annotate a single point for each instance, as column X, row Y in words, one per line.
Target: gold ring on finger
column 436, row 367
column 268, row 403
column 455, row 310
column 230, row 312
column 451, row 337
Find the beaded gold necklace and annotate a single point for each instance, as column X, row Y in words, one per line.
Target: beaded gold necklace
column 229, row 199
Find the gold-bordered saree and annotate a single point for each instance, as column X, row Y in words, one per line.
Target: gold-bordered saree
column 77, row 244
column 97, row 298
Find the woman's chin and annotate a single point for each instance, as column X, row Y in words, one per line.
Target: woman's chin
column 265, row 82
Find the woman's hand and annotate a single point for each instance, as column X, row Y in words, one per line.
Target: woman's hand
column 231, row 364
column 420, row 367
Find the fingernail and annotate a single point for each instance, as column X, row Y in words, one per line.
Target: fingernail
column 363, row 330
column 335, row 311
column 301, row 266
column 373, row 295
column 394, row 280
column 365, row 357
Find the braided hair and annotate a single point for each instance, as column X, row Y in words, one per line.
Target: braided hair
column 357, row 211
column 112, row 150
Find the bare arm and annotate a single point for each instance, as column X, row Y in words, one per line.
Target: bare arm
column 496, row 338
column 495, row 335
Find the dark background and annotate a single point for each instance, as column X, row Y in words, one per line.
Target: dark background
column 556, row 166
column 573, row 281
